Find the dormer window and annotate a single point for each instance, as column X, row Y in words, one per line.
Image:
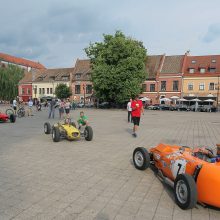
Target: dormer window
column 78, row 76
column 52, row 77
column 212, row 69
column 202, row 70
column 193, row 61
column 191, row 70
column 65, row 78
column 213, row 60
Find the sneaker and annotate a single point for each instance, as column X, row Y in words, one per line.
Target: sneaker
column 134, row 135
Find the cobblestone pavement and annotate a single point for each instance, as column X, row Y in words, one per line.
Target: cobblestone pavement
column 96, row 180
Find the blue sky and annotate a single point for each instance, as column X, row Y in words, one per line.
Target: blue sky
column 55, row 32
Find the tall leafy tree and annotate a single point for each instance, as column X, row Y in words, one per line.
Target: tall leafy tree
column 9, row 78
column 62, row 91
column 118, row 67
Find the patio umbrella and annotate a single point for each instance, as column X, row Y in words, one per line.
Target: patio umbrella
column 175, row 97
column 196, row 100
column 182, row 100
column 144, row 99
column 209, row 100
column 165, row 99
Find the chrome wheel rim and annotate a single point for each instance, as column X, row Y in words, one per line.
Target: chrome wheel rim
column 45, row 128
column 139, row 159
column 53, row 134
column 181, row 191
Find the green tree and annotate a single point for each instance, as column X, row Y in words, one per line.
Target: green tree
column 9, row 78
column 62, row 91
column 118, row 67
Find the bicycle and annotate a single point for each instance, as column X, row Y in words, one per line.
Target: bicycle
column 20, row 111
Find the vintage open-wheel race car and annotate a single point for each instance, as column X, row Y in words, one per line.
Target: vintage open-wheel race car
column 7, row 117
column 194, row 174
column 67, row 130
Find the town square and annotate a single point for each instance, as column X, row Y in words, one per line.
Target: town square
column 110, row 110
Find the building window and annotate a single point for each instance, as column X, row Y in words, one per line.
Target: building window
column 190, row 86
column 48, row 90
column 191, row 70
column 51, row 90
column 88, row 89
column 23, row 91
column 65, row 78
column 213, row 60
column 201, row 86
column 202, row 70
column 193, row 61
column 39, row 90
column 211, row 86
column 212, row 70
column 144, row 87
column 175, row 85
column 28, row 91
column 78, row 76
column 77, row 89
column 152, row 87
column 43, row 91
column 163, row 85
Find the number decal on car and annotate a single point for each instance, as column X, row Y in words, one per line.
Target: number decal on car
column 178, row 167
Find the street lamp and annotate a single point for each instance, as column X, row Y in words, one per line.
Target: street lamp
column 84, row 93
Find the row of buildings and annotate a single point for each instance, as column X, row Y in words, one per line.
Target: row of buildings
column 182, row 76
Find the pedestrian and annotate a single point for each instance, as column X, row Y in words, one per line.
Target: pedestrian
column 129, row 111
column 30, row 105
column 137, row 109
column 61, row 108
column 52, row 108
column 67, row 107
column 14, row 104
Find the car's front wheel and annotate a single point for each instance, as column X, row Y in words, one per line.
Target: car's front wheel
column 47, row 128
column 141, row 158
column 56, row 134
column 88, row 133
column 185, row 191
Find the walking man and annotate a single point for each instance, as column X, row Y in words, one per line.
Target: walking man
column 129, row 111
column 52, row 108
column 137, row 109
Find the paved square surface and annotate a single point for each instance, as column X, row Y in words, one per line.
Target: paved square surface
column 84, row 180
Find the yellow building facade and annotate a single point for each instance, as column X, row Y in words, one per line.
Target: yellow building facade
column 200, row 87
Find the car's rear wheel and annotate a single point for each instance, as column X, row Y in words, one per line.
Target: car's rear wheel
column 88, row 133
column 56, row 134
column 185, row 191
column 141, row 158
column 47, row 128
column 12, row 118
column 9, row 111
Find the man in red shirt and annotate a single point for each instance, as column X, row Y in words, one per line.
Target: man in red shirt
column 137, row 109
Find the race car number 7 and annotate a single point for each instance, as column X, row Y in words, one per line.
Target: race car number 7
column 178, row 167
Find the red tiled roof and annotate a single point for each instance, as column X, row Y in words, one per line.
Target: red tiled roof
column 20, row 61
column 202, row 62
column 82, row 67
column 172, row 64
column 152, row 65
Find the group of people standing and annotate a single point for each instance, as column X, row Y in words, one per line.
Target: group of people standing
column 63, row 106
column 135, row 109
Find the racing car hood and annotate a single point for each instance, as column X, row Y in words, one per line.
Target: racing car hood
column 208, row 184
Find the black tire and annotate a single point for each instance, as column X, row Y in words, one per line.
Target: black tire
column 9, row 111
column 141, row 158
column 47, row 128
column 20, row 113
column 12, row 118
column 185, row 199
column 56, row 134
column 73, row 124
column 88, row 133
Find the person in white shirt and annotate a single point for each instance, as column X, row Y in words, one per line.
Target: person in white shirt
column 30, row 105
column 129, row 111
column 15, row 105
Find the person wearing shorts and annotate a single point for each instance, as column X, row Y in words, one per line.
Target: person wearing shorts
column 83, row 120
column 67, row 107
column 15, row 105
column 137, row 109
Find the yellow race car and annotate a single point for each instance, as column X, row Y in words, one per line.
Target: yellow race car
column 67, row 130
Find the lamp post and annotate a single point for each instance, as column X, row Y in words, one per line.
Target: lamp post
column 217, row 92
column 84, row 93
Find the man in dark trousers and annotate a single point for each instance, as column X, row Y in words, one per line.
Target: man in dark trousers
column 129, row 110
column 52, row 108
column 137, row 109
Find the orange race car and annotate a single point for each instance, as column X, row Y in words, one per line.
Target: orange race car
column 193, row 173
